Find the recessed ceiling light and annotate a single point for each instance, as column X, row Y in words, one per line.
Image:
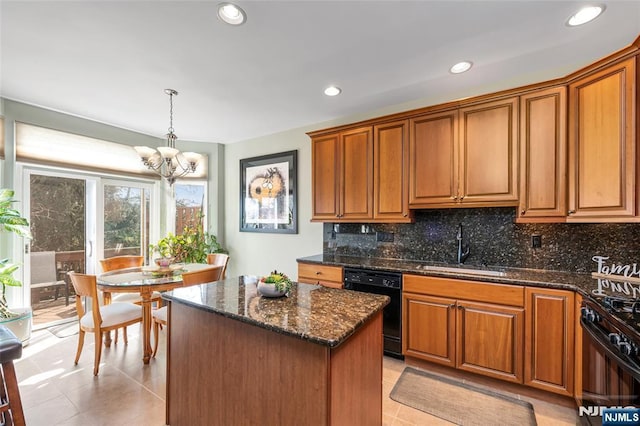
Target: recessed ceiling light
column 584, row 15
column 332, row 91
column 231, row 14
column 461, row 67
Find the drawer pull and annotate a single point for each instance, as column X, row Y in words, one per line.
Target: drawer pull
column 318, row 272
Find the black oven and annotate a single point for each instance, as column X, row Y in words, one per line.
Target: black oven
column 387, row 284
column 610, row 356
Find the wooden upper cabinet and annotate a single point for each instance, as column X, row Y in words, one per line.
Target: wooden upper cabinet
column 391, row 171
column 602, row 144
column 466, row 157
column 543, row 155
column 325, row 176
column 433, row 150
column 356, row 174
column 343, row 175
column 489, row 153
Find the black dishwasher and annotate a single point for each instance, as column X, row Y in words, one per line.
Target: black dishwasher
column 387, row 284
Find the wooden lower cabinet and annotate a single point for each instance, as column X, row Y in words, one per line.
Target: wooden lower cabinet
column 483, row 338
column 518, row 334
column 313, row 273
column 490, row 340
column 430, row 328
column 549, row 337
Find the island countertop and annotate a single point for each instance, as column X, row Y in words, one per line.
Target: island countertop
column 318, row 314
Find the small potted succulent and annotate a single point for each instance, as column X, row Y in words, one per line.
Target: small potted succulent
column 275, row 284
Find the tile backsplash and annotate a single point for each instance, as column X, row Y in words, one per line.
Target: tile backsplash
column 493, row 238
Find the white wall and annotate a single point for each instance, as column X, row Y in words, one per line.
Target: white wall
column 253, row 253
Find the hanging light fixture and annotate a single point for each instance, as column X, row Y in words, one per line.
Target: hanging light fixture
column 167, row 161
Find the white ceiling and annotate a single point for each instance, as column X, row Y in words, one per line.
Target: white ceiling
column 110, row 61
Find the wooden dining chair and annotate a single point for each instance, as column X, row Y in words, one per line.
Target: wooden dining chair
column 219, row 259
column 159, row 316
column 101, row 318
column 123, row 262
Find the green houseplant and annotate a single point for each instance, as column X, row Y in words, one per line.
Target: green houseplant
column 11, row 221
column 192, row 246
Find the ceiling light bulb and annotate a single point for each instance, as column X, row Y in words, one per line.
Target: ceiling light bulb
column 332, row 91
column 231, row 14
column 461, row 67
column 584, row 15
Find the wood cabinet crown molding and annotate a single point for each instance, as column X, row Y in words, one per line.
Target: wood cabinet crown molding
column 625, row 53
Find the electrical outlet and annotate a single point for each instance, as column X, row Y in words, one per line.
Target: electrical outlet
column 536, row 241
column 384, row 237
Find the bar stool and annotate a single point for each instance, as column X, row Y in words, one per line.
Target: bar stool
column 10, row 405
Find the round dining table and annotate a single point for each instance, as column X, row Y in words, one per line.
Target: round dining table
column 142, row 280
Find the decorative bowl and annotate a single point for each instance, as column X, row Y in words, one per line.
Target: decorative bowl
column 164, row 262
column 275, row 284
column 270, row 290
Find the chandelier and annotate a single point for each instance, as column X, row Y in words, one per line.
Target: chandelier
column 167, row 161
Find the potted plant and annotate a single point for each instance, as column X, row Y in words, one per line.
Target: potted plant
column 275, row 284
column 192, row 246
column 18, row 320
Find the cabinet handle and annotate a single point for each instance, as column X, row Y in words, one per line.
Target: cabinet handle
column 405, row 215
column 461, row 197
column 317, row 272
column 571, row 211
column 453, row 305
column 523, row 212
column 460, row 307
column 454, row 198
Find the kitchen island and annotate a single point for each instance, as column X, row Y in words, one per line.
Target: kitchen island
column 235, row 357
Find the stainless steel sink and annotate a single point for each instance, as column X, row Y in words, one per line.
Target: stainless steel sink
column 468, row 271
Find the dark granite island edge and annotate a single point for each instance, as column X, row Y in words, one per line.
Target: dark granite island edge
column 318, row 314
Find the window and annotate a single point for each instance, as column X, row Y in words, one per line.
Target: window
column 190, row 204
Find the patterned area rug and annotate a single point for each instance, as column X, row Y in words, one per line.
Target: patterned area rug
column 459, row 403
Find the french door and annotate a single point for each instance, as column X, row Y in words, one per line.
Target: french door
column 77, row 219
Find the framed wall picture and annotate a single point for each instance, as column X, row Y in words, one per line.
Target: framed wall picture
column 268, row 199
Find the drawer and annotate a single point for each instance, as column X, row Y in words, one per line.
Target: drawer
column 332, row 284
column 312, row 272
column 502, row 294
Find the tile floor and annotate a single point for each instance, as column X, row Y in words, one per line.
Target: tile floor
column 55, row 392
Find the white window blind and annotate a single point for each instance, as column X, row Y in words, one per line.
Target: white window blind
column 52, row 147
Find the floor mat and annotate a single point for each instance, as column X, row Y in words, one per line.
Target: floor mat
column 459, row 403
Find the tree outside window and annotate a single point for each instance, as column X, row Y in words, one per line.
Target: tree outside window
column 190, row 205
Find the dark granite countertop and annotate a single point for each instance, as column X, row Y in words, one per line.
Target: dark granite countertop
column 582, row 283
column 318, row 314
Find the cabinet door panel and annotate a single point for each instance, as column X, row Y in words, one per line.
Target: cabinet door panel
column 488, row 152
column 549, row 338
column 325, row 167
column 543, row 145
column 602, row 147
column 391, row 170
column 490, row 340
column 357, row 174
column 434, row 159
column 429, row 328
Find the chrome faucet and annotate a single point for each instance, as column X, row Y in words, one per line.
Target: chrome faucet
column 463, row 252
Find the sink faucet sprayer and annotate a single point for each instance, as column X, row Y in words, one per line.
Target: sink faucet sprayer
column 463, row 252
